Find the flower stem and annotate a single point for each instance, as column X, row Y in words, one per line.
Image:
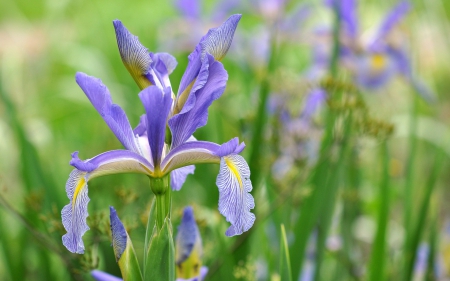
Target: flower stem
column 163, row 195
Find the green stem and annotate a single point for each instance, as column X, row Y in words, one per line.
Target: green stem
column 163, row 195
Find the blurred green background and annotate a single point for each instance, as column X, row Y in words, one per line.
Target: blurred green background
column 373, row 203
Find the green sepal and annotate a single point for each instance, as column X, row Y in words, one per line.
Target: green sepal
column 128, row 263
column 160, row 257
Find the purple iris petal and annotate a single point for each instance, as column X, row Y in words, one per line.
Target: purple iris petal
column 111, row 158
column 349, row 17
column 85, row 166
column 188, row 236
column 190, row 9
column 189, row 153
column 114, row 116
column 141, row 128
column 75, row 213
column 230, row 147
column 178, row 176
column 134, row 55
column 235, row 200
column 396, row 14
column 157, row 106
column 103, row 276
column 216, row 42
column 313, row 101
column 195, row 112
column 118, row 232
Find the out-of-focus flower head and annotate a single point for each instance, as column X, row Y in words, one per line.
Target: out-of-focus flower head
column 300, row 138
column 188, row 250
column 162, row 145
column 376, row 62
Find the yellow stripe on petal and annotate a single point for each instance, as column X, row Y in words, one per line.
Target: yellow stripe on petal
column 233, row 169
column 80, row 185
column 235, row 200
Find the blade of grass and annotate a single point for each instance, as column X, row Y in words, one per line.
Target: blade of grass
column 377, row 258
column 285, row 260
column 413, row 241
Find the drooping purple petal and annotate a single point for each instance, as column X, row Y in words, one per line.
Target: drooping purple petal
column 103, row 276
column 396, row 14
column 195, row 111
column 157, row 105
column 190, row 9
column 233, row 181
column 189, row 153
column 188, row 237
column 216, row 43
column 75, row 213
column 114, row 116
column 118, row 232
column 178, row 176
column 134, row 55
column 203, row 272
column 403, row 66
column 235, row 200
column 197, row 152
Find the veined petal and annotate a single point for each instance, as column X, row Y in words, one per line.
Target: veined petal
column 75, row 213
column 134, row 55
column 157, row 105
column 218, row 40
column 197, row 152
column 195, row 111
column 119, row 234
column 216, row 43
column 114, row 116
column 178, row 176
column 103, row 276
column 235, row 200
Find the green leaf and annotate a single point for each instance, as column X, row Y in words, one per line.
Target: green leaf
column 160, row 257
column 285, row 260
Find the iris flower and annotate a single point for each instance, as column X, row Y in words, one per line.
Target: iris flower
column 373, row 64
column 162, row 144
